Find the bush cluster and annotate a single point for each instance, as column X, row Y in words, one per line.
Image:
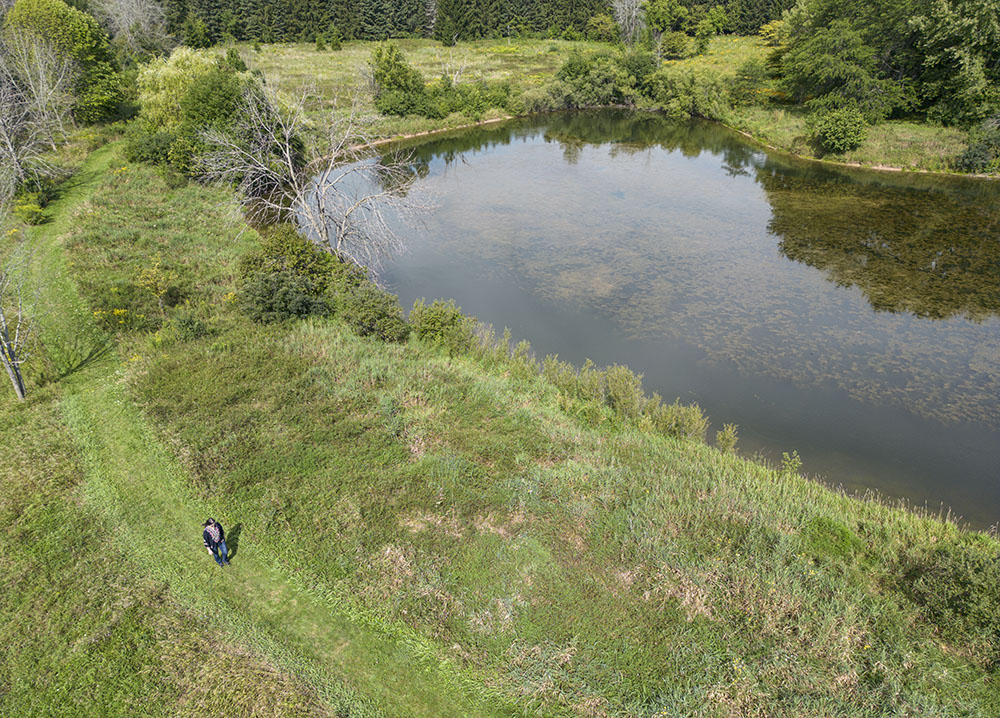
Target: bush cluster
column 839, row 130
column 955, row 584
column 443, row 324
column 181, row 96
column 28, row 208
column 400, row 90
column 748, row 86
column 591, row 393
column 631, row 78
column 99, row 89
column 983, row 152
column 288, row 277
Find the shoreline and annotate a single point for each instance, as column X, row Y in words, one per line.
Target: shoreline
column 742, row 133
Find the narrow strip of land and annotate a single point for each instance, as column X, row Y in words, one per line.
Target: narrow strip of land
column 135, row 482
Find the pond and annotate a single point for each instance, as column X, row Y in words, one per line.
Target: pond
column 852, row 316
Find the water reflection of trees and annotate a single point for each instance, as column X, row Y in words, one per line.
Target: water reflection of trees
column 923, row 245
column 623, row 131
column 920, row 247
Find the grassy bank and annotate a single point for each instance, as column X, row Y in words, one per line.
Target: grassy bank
column 86, row 629
column 421, row 534
column 531, row 63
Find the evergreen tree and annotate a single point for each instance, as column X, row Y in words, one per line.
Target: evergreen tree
column 408, row 18
column 344, row 15
column 373, row 19
column 447, row 27
column 175, row 13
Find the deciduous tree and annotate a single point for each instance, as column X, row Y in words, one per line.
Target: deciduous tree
column 340, row 195
column 44, row 79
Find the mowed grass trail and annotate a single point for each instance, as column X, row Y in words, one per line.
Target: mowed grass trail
column 135, row 484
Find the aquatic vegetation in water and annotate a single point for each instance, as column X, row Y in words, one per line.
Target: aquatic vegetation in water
column 647, row 233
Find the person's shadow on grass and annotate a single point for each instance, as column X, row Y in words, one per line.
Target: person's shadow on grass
column 233, row 539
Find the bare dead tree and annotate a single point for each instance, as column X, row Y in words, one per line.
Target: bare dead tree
column 17, row 305
column 341, row 196
column 450, row 68
column 431, row 13
column 45, row 79
column 631, row 18
column 23, row 139
column 137, row 26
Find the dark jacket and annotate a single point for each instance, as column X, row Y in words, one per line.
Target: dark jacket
column 207, row 536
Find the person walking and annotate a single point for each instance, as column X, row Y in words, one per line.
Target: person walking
column 215, row 541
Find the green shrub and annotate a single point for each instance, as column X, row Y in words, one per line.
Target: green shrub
column 674, row 45
column 718, row 19
column 211, row 99
column 603, row 28
column 703, row 35
column 234, row 61
column 590, row 383
column 749, row 83
column 545, row 99
column 165, row 81
column 561, row 374
column 144, row 143
column 443, row 324
column 983, row 153
column 774, row 33
column 676, row 419
column 28, row 210
column 333, row 38
column 194, row 32
column 320, row 44
column 442, row 98
column 180, row 97
column 955, row 584
column 828, row 537
column 637, row 66
column 280, row 295
column 372, row 312
column 624, row 391
column 282, row 248
column 392, row 74
column 726, row 439
column 680, row 93
column 839, row 130
column 589, row 80
column 99, row 89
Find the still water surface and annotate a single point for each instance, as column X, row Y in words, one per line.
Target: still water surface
column 851, row 316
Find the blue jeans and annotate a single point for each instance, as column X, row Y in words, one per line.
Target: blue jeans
column 220, row 553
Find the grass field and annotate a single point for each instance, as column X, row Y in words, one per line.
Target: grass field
column 418, row 534
column 337, row 76
column 334, row 76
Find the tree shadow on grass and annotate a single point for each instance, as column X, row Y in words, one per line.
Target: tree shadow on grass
column 68, row 358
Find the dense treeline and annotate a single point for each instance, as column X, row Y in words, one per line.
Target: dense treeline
column 290, row 20
column 939, row 57
column 445, row 20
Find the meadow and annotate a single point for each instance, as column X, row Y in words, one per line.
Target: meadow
column 334, row 77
